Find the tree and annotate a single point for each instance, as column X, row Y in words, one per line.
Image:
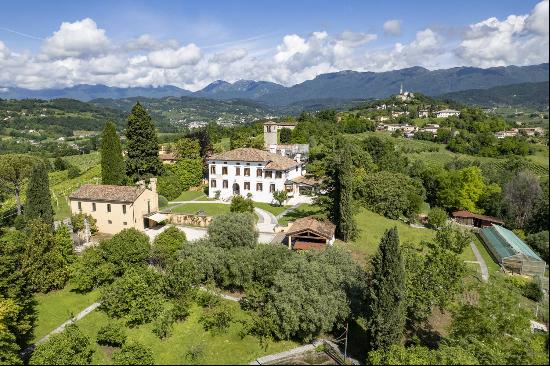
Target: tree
column 112, row 334
column 539, row 242
column 14, row 169
column 166, row 245
column 134, row 297
column 16, row 285
column 216, row 318
column 420, row 355
column 169, row 184
column 142, row 145
column 77, row 220
column 386, row 295
column 133, row 353
column 72, row 171
column 461, row 189
column 71, row 347
column 188, row 148
column 285, row 135
column 59, row 164
column 342, row 201
column 241, row 204
column 112, row 162
column 189, row 172
column 453, row 239
column 39, row 201
column 126, row 249
column 437, row 217
column 91, row 270
column 9, row 349
column 521, row 195
column 280, row 197
column 233, row 230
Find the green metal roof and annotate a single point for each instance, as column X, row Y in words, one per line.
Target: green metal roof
column 506, row 243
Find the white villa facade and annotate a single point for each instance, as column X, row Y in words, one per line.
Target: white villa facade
column 256, row 172
column 447, row 113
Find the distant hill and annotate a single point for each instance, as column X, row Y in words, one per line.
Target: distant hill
column 515, row 95
column 343, row 85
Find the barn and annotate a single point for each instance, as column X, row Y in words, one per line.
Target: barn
column 511, row 252
column 310, row 233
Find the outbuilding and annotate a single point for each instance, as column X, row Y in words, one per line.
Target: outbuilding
column 310, row 233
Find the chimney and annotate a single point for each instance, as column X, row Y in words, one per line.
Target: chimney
column 297, row 157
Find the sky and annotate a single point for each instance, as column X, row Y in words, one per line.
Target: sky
column 191, row 44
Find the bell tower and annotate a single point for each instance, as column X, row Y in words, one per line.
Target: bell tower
column 270, row 134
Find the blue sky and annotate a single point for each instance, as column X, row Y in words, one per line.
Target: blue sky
column 295, row 39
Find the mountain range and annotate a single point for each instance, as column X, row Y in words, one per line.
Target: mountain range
column 334, row 87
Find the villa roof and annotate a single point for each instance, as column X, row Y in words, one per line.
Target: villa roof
column 308, row 181
column 109, row 193
column 274, row 161
column 322, row 228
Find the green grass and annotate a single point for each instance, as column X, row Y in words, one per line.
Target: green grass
column 55, row 307
column 540, row 156
column 372, row 226
column 224, row 348
column 275, row 210
column 468, row 254
column 302, row 211
column 211, row 209
column 492, row 266
column 191, row 195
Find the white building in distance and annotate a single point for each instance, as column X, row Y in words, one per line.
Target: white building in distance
column 447, row 113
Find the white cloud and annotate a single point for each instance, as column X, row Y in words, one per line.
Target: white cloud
column 169, row 58
column 518, row 40
column 392, row 27
column 230, row 56
column 81, row 38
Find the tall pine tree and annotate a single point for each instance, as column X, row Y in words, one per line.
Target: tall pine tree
column 386, row 296
column 39, row 201
column 143, row 147
column 342, row 192
column 112, row 162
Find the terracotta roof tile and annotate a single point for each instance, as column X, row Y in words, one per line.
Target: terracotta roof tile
column 110, row 193
column 468, row 214
column 324, row 228
column 273, row 161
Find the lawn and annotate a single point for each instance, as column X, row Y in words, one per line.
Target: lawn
column 492, row 266
column 225, row 348
column 371, row 228
column 302, row 211
column 275, row 210
column 191, row 196
column 55, row 307
column 210, row 209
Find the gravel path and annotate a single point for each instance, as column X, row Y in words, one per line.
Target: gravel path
column 481, row 261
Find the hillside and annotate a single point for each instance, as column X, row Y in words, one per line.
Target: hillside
column 343, row 85
column 515, row 95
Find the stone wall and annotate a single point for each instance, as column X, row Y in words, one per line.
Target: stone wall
column 188, row 219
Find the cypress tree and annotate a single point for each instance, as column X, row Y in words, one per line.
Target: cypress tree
column 112, row 162
column 385, row 299
column 346, row 227
column 143, row 147
column 39, row 202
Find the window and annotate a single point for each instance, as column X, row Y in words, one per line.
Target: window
column 213, row 169
column 213, row 183
column 93, row 206
column 108, row 207
column 259, row 186
column 124, row 209
column 278, row 175
column 237, row 171
column 79, row 206
column 272, row 188
column 224, row 170
column 247, row 172
column 109, row 221
column 225, row 184
column 296, row 168
column 258, row 173
column 247, row 186
column 268, row 174
column 148, row 206
column 124, row 223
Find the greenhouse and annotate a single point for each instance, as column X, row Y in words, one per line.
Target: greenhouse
column 511, row 252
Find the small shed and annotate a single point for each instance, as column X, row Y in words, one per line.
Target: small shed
column 472, row 219
column 511, row 252
column 310, row 233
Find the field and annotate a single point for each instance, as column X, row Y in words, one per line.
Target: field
column 224, row 348
column 275, row 210
column 191, row 196
column 210, row 209
column 302, row 211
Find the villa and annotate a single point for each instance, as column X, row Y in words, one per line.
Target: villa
column 447, row 113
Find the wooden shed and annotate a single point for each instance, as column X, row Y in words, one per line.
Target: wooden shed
column 473, row 219
column 310, row 233
column 511, row 252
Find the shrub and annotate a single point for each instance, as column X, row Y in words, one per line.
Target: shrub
column 181, row 277
column 77, row 222
column 133, row 353
column 233, row 230
column 91, row 270
column 169, row 185
column 280, row 197
column 217, row 318
column 71, row 347
column 195, row 351
column 166, row 245
column 437, row 217
column 181, row 308
column 111, row 334
column 241, row 204
column 59, row 164
column 162, row 325
column 532, row 291
column 73, row 172
column 127, row 248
